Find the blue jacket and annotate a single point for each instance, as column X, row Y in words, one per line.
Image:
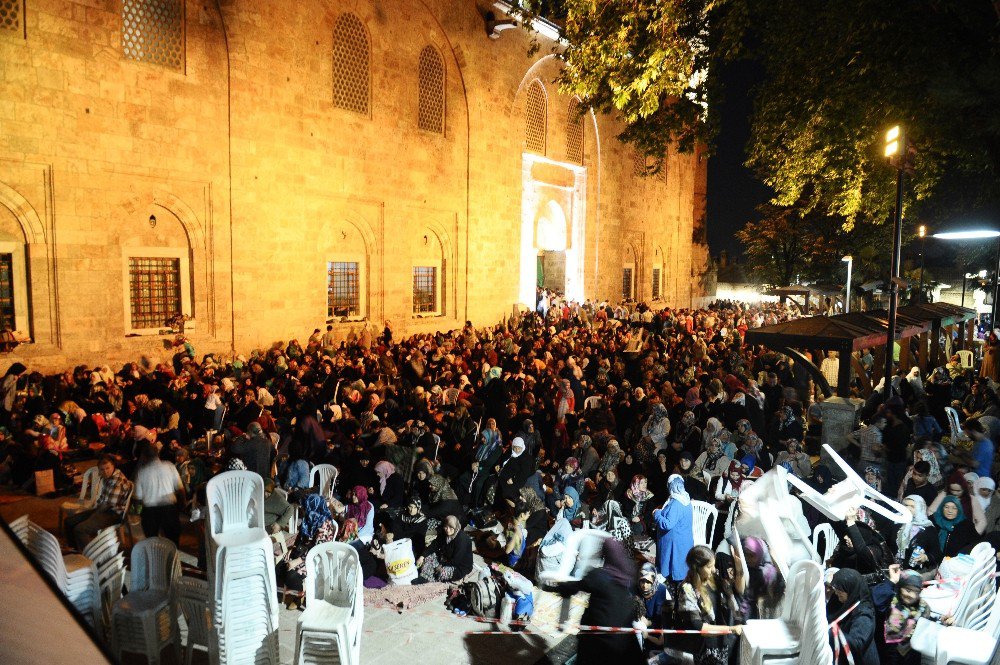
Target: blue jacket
column 675, row 538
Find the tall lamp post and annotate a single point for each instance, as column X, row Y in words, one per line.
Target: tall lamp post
column 895, row 151
column 849, row 260
column 923, row 235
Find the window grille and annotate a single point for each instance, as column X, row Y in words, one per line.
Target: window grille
column 343, row 281
column 424, row 289
column 639, row 164
column 153, row 32
column 431, row 102
column 12, row 15
column 574, row 133
column 627, row 283
column 351, row 65
column 535, row 119
column 154, row 290
column 656, row 283
column 7, row 292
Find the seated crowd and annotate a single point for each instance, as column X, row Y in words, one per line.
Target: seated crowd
column 502, row 440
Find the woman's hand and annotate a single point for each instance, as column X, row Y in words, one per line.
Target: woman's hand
column 420, row 562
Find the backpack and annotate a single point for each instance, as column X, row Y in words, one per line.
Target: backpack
column 484, row 597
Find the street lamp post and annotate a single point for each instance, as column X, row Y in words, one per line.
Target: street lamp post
column 979, row 234
column 849, row 260
column 923, row 235
column 895, row 151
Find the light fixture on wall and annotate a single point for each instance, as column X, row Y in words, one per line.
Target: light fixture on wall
column 152, row 221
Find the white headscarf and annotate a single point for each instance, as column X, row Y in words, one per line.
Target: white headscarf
column 984, row 482
column 920, row 521
column 677, row 491
column 517, row 442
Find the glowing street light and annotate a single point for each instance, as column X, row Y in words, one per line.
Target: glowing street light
column 895, row 152
column 981, row 233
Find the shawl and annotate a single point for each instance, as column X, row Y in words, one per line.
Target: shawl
column 711, row 459
column 615, row 522
column 359, row 510
column 317, row 513
column 692, row 399
column 618, row 565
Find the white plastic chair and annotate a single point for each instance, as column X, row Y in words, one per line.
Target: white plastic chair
column 332, row 622
column 830, row 541
column 584, row 552
column 965, row 358
column 955, row 426
column 20, row 527
column 970, row 646
column 800, row 634
column 978, row 590
column 90, row 489
column 142, row 621
column 704, row 516
column 235, row 513
column 192, row 601
column 327, row 476
column 592, row 402
column 245, row 606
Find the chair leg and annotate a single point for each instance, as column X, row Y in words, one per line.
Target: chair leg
column 152, row 639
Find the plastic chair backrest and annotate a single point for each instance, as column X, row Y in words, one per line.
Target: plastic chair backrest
column 327, row 475
column 705, row 515
column 20, row 527
column 91, row 485
column 830, row 540
column 192, row 601
column 592, row 402
column 965, row 357
column 236, row 501
column 154, row 565
column 333, row 575
column 978, row 589
column 814, row 647
column 954, row 425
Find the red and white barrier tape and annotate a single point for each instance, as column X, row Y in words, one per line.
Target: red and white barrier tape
column 840, row 639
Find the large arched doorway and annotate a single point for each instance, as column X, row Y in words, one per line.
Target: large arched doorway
column 552, row 242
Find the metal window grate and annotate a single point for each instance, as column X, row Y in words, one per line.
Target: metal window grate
column 627, row 283
column 656, row 283
column 153, row 31
column 431, row 102
column 535, row 119
column 154, row 290
column 12, row 15
column 351, row 65
column 574, row 133
column 424, row 289
column 343, row 281
column 638, row 164
column 7, row 292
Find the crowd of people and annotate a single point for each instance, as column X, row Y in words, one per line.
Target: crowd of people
column 501, row 441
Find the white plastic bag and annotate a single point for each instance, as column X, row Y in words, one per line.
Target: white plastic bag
column 399, row 562
column 925, row 637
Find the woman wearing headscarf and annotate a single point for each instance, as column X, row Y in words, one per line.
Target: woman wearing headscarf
column 786, row 426
column 956, row 534
column 705, row 604
column 712, row 429
column 512, row 474
column 858, row 626
column 657, row 426
column 917, row 543
column 712, row 462
column 860, row 548
column 363, row 512
column 317, row 527
column 611, row 519
column 490, row 447
column 611, row 589
column 985, row 493
column 537, row 521
column 391, row 493
column 412, row 524
column 693, row 484
column 794, row 459
column 766, row 586
column 439, row 499
column 589, row 459
column 688, row 434
column 570, row 476
column 612, row 457
column 449, row 557
column 904, row 610
column 958, row 487
column 674, row 530
column 636, row 505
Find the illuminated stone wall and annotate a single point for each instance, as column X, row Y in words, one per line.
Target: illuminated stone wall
column 240, row 140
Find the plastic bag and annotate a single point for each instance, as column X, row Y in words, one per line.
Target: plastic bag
column 399, row 562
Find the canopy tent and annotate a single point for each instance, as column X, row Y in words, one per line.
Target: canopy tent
column 847, row 333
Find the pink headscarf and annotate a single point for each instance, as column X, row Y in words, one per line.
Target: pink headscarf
column 383, row 470
column 359, row 510
column 692, row 398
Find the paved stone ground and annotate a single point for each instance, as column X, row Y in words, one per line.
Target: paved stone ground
column 425, row 635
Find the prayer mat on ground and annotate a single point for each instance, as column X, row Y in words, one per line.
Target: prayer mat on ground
column 405, row 597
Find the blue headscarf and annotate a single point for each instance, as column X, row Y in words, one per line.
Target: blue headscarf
column 946, row 526
column 569, row 512
column 678, row 492
column 316, row 514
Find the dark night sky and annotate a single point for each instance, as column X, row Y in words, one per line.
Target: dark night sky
column 733, row 191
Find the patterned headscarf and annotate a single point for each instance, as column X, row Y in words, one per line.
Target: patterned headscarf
column 317, row 513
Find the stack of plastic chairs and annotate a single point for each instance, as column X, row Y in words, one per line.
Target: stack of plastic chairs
column 330, row 628
column 192, row 601
column 104, row 552
column 80, row 587
column 90, row 489
column 972, row 644
column 830, row 541
column 142, row 621
column 800, row 635
column 241, row 572
column 705, row 515
column 975, row 590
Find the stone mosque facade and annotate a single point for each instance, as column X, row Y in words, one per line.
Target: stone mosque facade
column 266, row 167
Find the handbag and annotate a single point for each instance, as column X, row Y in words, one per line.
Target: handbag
column 925, row 636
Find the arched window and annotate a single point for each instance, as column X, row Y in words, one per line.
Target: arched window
column 431, row 103
column 535, row 120
column 351, row 65
column 574, row 132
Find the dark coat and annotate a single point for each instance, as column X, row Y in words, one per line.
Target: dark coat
column 610, row 605
column 457, row 553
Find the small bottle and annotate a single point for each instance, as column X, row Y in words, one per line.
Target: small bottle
column 918, row 551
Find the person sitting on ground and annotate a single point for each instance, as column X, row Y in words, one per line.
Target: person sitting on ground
column 412, row 524
column 277, row 510
column 449, row 557
column 317, row 527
